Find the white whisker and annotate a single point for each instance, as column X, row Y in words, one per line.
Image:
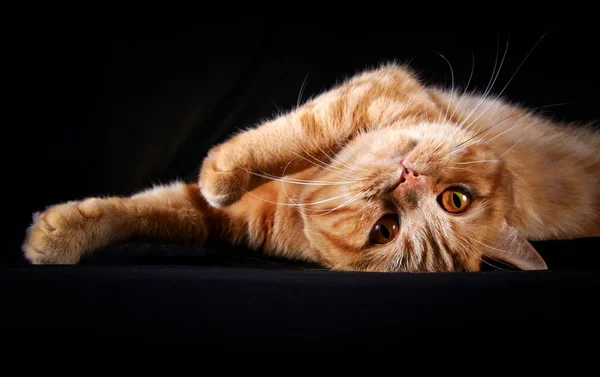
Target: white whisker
column 322, row 165
column 457, row 168
column 355, row 197
column 452, row 89
column 301, row 181
column 480, row 257
column 511, row 147
column 491, row 247
column 298, row 205
column 509, row 81
column 474, row 162
column 302, row 90
column 489, row 88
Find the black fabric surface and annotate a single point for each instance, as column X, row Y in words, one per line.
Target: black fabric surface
column 174, row 305
column 111, row 100
column 206, row 316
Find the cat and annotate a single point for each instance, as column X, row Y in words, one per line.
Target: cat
column 378, row 173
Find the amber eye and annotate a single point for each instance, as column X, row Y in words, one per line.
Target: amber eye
column 385, row 230
column 455, row 200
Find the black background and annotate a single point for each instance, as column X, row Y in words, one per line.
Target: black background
column 108, row 100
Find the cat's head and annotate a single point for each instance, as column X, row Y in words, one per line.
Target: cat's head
column 419, row 197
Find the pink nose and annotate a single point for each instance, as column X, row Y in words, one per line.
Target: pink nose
column 409, row 177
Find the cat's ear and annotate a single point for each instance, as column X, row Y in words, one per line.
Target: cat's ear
column 511, row 247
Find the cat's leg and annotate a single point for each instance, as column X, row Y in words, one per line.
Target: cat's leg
column 63, row 233
column 311, row 134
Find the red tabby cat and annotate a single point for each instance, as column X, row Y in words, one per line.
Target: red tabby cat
column 377, row 174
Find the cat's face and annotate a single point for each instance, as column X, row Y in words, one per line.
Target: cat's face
column 411, row 199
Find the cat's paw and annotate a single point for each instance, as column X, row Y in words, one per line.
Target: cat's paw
column 223, row 180
column 62, row 233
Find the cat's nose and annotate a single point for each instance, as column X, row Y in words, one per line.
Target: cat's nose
column 409, row 176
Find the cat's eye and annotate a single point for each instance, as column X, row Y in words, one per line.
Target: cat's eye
column 385, row 230
column 455, row 200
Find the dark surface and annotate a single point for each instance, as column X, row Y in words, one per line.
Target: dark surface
column 111, row 100
column 207, row 316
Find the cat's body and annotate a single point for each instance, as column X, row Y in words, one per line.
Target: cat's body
column 377, row 174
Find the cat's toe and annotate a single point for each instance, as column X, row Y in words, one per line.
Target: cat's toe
column 56, row 236
column 222, row 183
column 221, row 189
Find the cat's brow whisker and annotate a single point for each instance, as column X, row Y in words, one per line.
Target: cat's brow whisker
column 502, row 133
column 489, row 87
column 457, row 104
column 486, row 129
column 299, row 100
column 468, row 83
column 478, row 141
column 512, row 146
column 493, row 79
column 509, row 81
column 451, row 91
column 500, row 121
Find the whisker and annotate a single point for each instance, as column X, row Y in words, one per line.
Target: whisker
column 282, row 183
column 457, row 168
column 487, row 128
column 511, row 147
column 345, row 162
column 355, row 197
column 511, row 78
column 480, row 257
column 502, row 133
column 302, row 90
column 318, row 162
column 468, row 83
column 498, row 122
column 301, row 181
column 474, row 162
column 456, row 151
column 321, row 164
column 331, row 159
column 452, row 89
column 277, row 107
column 490, row 85
column 457, row 104
column 491, row 247
column 297, row 205
column 488, row 89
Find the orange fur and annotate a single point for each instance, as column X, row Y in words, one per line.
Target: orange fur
column 310, row 185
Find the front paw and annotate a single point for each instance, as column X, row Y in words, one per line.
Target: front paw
column 222, row 180
column 62, row 233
